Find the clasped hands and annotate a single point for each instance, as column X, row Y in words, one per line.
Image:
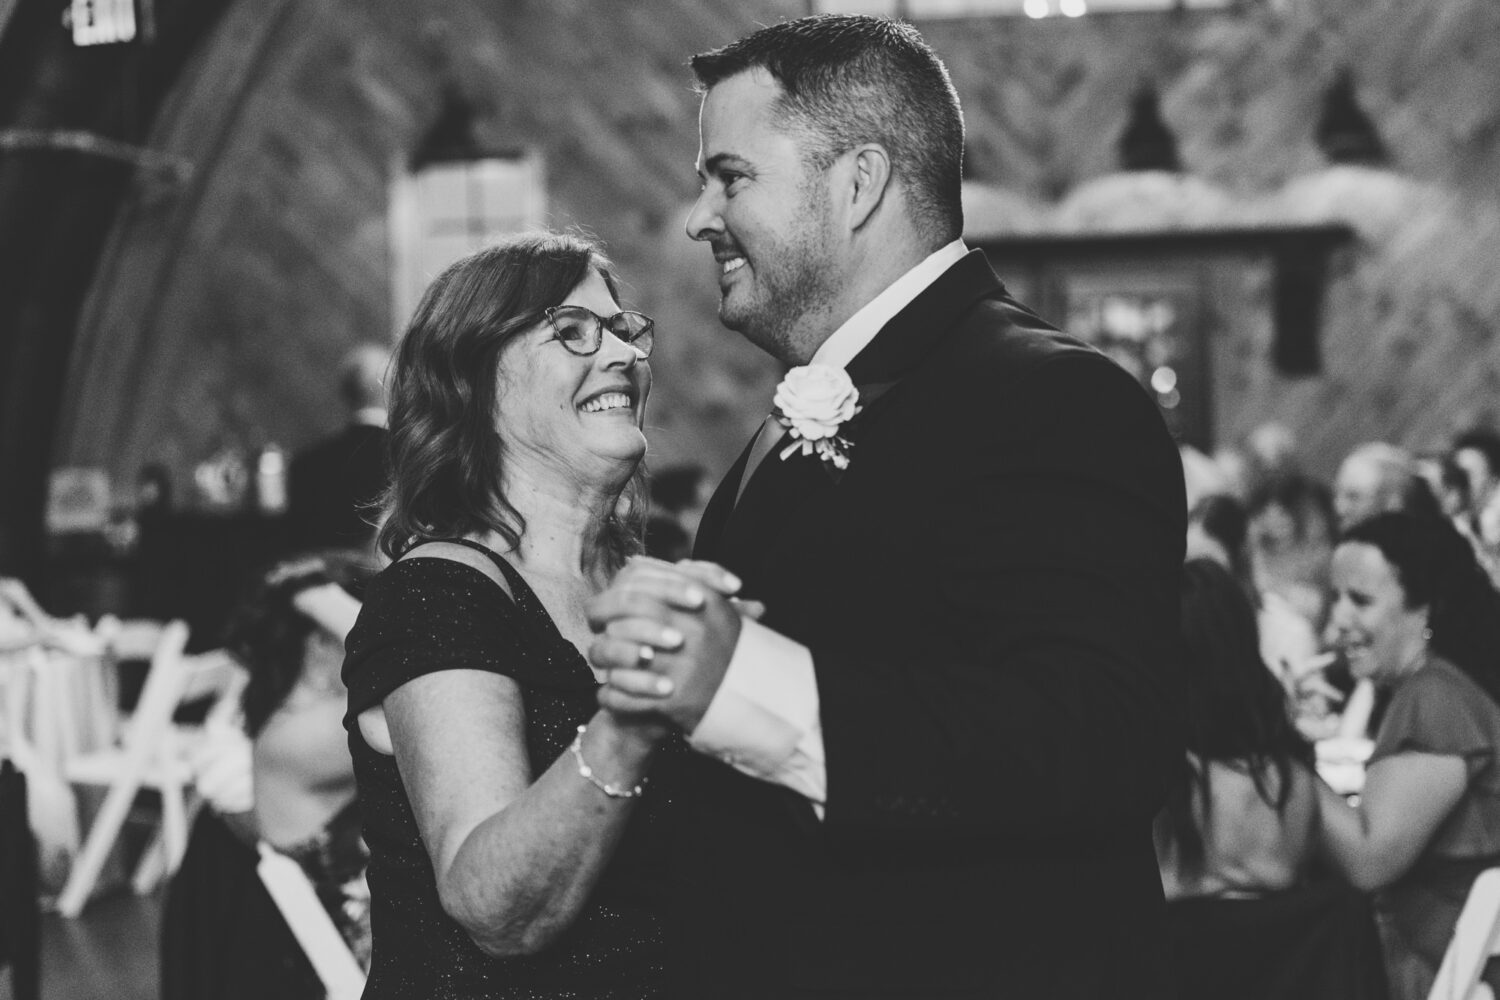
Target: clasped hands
column 664, row 636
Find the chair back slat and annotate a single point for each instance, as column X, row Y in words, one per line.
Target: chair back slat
column 293, row 893
column 1476, row 937
column 141, row 745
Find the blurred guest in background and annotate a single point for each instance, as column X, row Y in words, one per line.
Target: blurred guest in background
column 291, row 786
column 1450, row 484
column 679, row 493
column 1237, row 838
column 1414, row 611
column 1271, row 452
column 1376, row 478
column 516, row 849
column 1476, row 452
column 333, row 484
column 1203, row 476
column 1291, row 537
column 153, row 491
column 682, row 491
column 1218, row 530
column 1242, row 814
column 666, row 539
column 304, row 792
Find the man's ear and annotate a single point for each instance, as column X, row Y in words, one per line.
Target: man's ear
column 871, row 180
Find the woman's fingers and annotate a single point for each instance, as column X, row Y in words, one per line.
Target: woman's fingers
column 643, row 684
column 752, row 610
column 667, row 597
column 712, row 575
column 646, row 632
column 630, row 661
column 708, row 574
column 620, row 703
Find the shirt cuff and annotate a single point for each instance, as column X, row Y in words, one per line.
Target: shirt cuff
column 764, row 719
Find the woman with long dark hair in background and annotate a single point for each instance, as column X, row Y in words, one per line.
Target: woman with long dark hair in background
column 222, row 936
column 1238, row 835
column 1240, row 819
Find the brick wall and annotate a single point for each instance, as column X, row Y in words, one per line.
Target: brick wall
column 223, row 304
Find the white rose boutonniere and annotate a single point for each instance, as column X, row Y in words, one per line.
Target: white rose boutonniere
column 813, row 403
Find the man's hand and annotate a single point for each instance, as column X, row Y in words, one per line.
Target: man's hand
column 667, row 633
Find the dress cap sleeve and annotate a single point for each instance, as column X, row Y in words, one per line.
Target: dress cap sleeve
column 423, row 615
column 1440, row 710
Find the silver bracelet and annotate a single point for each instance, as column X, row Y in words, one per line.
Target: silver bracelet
column 609, row 788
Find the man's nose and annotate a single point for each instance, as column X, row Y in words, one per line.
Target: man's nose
column 704, row 221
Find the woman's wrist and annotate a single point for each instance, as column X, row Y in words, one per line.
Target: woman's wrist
column 613, row 752
column 631, row 741
column 586, row 771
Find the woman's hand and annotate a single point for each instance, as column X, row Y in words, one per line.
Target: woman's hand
column 645, row 728
column 667, row 635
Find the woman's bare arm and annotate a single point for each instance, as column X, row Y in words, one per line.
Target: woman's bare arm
column 515, row 858
column 1404, row 801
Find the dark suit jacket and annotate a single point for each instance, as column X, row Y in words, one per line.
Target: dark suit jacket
column 329, row 485
column 990, row 596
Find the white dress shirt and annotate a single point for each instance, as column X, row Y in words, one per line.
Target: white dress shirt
column 765, row 720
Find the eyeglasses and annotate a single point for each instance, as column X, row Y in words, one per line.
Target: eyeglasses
column 581, row 330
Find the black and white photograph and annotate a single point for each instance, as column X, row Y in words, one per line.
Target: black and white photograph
column 749, row 500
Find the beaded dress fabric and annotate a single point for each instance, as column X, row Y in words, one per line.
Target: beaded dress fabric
column 334, row 859
column 423, row 615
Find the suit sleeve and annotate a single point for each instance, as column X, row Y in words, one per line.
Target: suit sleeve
column 1036, row 698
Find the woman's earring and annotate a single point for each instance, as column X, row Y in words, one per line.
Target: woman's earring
column 1427, row 632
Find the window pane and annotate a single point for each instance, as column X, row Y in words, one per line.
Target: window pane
column 448, row 210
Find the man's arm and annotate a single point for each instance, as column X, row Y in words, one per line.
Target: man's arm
column 1036, row 696
column 764, row 719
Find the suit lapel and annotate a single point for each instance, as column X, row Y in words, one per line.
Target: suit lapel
column 769, row 505
column 738, row 535
column 709, row 542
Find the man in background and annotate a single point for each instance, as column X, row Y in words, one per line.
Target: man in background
column 333, row 482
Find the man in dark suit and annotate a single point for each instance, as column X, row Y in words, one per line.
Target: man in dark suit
column 930, row 770
column 332, row 482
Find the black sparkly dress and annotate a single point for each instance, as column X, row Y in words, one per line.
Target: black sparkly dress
column 424, row 615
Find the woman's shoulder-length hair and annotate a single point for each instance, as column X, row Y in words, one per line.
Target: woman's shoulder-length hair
column 1438, row 569
column 444, row 452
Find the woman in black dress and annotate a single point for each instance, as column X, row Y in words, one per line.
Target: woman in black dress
column 515, row 843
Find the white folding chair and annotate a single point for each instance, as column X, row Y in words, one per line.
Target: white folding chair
column 146, row 756
column 34, row 742
column 1476, row 937
column 320, row 940
column 214, row 673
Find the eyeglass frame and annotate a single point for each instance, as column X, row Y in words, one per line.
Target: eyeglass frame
column 601, row 323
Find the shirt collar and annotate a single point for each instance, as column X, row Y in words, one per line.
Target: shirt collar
column 858, row 330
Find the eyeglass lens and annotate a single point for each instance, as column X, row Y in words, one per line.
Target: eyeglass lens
column 581, row 330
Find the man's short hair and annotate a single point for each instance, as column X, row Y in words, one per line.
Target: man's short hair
column 1484, row 441
column 848, row 79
